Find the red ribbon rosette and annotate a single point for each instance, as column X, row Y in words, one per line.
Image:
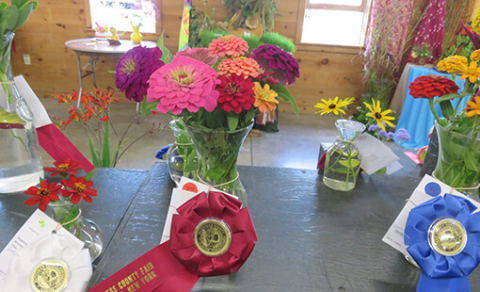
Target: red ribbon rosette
column 212, row 236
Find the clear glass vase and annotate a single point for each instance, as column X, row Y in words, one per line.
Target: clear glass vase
column 458, row 163
column 86, row 230
column 342, row 161
column 20, row 165
column 217, row 153
column 181, row 156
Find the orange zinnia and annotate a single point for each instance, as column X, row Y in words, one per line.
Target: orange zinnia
column 265, row 98
column 473, row 107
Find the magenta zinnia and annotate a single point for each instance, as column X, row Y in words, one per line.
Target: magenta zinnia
column 134, row 69
column 184, row 84
column 236, row 93
column 272, row 58
column 200, row 54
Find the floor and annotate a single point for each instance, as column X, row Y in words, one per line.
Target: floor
column 296, row 145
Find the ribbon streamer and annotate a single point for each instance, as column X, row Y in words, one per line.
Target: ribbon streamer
column 442, row 273
column 177, row 264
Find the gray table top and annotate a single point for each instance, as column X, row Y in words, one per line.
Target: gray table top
column 310, row 238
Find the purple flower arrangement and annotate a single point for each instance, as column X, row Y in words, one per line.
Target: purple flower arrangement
column 284, row 66
column 134, row 69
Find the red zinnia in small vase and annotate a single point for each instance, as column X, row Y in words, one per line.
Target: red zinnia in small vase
column 430, row 86
column 78, row 188
column 44, row 195
column 64, row 168
column 236, row 93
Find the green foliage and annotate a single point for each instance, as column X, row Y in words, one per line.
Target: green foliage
column 266, row 9
column 285, row 95
column 207, row 36
column 252, row 41
column 166, row 55
column 462, row 47
column 273, row 38
column 15, row 15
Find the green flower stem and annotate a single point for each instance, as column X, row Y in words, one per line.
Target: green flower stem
column 432, row 108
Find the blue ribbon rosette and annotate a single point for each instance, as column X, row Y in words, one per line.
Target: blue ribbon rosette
column 444, row 239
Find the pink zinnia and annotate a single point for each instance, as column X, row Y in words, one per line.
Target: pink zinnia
column 247, row 67
column 184, row 84
column 229, row 45
column 200, row 54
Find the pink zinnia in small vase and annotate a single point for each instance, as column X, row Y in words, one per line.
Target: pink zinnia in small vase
column 184, row 84
column 247, row 67
column 200, row 54
column 229, row 45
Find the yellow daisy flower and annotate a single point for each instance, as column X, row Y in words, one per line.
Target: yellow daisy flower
column 475, row 56
column 333, row 106
column 476, row 22
column 378, row 115
column 452, row 63
column 472, row 72
column 265, row 98
column 473, row 107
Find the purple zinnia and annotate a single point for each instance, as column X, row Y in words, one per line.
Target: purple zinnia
column 134, row 70
column 272, row 58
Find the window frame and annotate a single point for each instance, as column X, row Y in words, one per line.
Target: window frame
column 303, row 5
column 148, row 36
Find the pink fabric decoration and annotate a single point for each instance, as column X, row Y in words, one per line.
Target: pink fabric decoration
column 431, row 29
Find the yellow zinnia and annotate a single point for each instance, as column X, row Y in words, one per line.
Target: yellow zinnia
column 472, row 72
column 378, row 115
column 265, row 98
column 473, row 107
column 476, row 22
column 475, row 56
column 452, row 63
column 333, row 106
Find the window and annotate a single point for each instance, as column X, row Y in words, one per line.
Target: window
column 335, row 22
column 119, row 14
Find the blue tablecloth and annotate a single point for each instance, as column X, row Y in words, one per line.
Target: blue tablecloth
column 416, row 116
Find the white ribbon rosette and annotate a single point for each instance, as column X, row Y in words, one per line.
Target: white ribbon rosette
column 55, row 263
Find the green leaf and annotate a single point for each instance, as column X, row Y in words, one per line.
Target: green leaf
column 285, row 95
column 19, row 3
column 147, row 107
column 166, row 55
column 232, row 120
column 3, row 5
column 106, row 147
column 94, row 154
column 24, row 12
column 447, row 97
column 447, row 109
column 8, row 19
column 72, row 214
column 89, row 175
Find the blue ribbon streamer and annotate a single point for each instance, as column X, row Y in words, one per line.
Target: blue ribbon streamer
column 443, row 273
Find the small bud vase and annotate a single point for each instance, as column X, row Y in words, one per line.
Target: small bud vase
column 342, row 161
column 181, row 156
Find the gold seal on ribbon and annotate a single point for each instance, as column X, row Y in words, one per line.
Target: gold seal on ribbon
column 50, row 275
column 447, row 236
column 212, row 237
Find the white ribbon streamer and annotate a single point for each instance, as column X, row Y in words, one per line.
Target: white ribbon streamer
column 53, row 246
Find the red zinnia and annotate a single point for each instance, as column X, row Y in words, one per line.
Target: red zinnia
column 43, row 195
column 236, row 93
column 78, row 188
column 64, row 168
column 429, row 86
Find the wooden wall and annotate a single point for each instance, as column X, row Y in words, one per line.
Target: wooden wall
column 324, row 72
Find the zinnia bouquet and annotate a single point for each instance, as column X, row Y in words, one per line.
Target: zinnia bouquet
column 459, row 153
column 219, row 90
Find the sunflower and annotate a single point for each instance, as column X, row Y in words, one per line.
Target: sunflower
column 333, row 106
column 378, row 115
column 472, row 72
column 473, row 107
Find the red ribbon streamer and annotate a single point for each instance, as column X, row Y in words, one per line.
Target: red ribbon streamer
column 177, row 264
column 59, row 147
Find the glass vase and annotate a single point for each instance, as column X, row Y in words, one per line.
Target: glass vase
column 181, row 156
column 217, row 153
column 458, row 163
column 20, row 165
column 63, row 211
column 342, row 161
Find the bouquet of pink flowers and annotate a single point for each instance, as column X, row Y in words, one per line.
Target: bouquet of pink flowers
column 223, row 86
